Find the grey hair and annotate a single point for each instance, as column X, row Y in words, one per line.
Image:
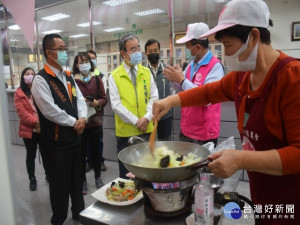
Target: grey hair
column 123, row 39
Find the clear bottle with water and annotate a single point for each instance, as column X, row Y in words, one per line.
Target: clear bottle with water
column 204, row 202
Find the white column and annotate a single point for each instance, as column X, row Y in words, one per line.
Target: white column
column 7, row 209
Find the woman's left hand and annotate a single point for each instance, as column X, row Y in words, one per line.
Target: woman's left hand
column 225, row 163
column 94, row 104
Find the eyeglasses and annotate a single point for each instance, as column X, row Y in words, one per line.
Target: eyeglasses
column 59, row 49
column 133, row 50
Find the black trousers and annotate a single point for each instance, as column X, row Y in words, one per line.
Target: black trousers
column 88, row 152
column 91, row 136
column 164, row 129
column 122, row 142
column 184, row 138
column 31, row 148
column 65, row 179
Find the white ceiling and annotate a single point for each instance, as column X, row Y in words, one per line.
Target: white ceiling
column 185, row 11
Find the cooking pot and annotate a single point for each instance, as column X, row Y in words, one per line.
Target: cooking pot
column 131, row 155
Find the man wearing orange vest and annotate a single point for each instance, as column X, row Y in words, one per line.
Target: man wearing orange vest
column 62, row 112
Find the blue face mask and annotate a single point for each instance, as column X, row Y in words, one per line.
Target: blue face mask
column 188, row 54
column 85, row 68
column 62, row 58
column 135, row 58
column 85, row 79
column 94, row 61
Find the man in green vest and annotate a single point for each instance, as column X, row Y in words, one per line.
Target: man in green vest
column 132, row 91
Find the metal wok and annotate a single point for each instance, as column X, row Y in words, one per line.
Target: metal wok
column 131, row 155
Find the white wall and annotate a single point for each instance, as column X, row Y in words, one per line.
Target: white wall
column 283, row 13
column 7, row 210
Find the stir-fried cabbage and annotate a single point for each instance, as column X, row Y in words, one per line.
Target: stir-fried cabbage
column 176, row 160
column 121, row 191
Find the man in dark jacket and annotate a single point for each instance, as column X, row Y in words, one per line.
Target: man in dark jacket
column 62, row 113
column 152, row 51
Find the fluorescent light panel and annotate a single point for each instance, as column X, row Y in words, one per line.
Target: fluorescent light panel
column 114, row 29
column 55, row 17
column 51, row 31
column 78, row 35
column 14, row 27
column 118, row 2
column 149, row 12
column 222, row 1
column 88, row 24
column 13, row 40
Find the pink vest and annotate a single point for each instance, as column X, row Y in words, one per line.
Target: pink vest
column 201, row 122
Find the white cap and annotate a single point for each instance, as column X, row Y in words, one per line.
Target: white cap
column 193, row 31
column 253, row 13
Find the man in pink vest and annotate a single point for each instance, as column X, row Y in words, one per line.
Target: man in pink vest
column 199, row 124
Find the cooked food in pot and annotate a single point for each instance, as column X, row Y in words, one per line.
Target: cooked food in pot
column 121, row 191
column 161, row 154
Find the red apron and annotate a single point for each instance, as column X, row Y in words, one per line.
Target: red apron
column 276, row 194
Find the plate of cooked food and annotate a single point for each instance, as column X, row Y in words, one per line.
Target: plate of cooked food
column 120, row 192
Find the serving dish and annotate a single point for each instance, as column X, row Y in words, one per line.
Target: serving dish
column 100, row 195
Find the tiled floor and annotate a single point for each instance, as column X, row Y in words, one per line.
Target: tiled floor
column 34, row 207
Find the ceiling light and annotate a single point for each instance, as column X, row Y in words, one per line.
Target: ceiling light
column 222, row 1
column 51, row 31
column 14, row 27
column 118, row 2
column 13, row 40
column 88, row 24
column 55, row 17
column 149, row 12
column 114, row 29
column 78, row 35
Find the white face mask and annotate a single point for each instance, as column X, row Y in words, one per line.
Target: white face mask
column 85, row 68
column 246, row 65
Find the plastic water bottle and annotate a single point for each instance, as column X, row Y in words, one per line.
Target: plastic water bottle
column 204, row 202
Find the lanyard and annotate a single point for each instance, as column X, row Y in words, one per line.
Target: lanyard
column 192, row 69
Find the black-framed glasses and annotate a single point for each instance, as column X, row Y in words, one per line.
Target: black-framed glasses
column 59, row 49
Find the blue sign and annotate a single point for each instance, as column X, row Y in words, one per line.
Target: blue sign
column 232, row 210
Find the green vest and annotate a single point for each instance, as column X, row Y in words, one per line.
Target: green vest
column 96, row 72
column 135, row 100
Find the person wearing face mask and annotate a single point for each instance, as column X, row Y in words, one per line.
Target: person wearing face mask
column 29, row 128
column 204, row 68
column 62, row 112
column 132, row 91
column 152, row 51
column 265, row 85
column 93, row 57
column 92, row 86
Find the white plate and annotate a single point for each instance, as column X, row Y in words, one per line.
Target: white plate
column 101, row 196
